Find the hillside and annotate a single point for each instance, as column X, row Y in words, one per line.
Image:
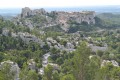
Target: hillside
column 59, row 45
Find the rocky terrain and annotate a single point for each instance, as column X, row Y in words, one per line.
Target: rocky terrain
column 36, row 44
column 47, row 19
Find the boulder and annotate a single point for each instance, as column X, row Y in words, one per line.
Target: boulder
column 69, row 45
column 96, row 48
column 28, row 23
column 113, row 62
column 5, row 31
column 14, row 68
column 31, row 64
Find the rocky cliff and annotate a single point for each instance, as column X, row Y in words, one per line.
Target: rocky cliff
column 41, row 18
column 27, row 12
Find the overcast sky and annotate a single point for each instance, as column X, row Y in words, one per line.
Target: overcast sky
column 55, row 3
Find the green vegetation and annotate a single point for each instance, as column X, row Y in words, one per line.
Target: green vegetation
column 74, row 27
column 110, row 20
column 64, row 64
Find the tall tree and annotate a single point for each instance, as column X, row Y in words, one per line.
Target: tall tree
column 81, row 61
column 48, row 72
column 6, row 72
column 68, row 77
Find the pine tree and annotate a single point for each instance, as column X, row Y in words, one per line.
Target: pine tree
column 81, row 61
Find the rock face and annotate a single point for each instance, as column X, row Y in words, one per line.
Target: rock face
column 27, row 38
column 69, row 47
column 27, row 12
column 29, row 24
column 14, row 69
column 39, row 11
column 53, row 18
column 96, row 48
column 5, row 32
column 79, row 17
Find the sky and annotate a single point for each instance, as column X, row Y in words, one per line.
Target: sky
column 55, row 3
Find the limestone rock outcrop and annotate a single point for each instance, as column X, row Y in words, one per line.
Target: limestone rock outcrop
column 79, row 17
column 27, row 38
column 41, row 18
column 14, row 68
column 96, row 48
column 27, row 12
column 5, row 31
column 32, row 64
column 113, row 62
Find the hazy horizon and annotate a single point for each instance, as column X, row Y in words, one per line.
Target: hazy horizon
column 106, row 8
column 55, row 3
column 98, row 9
